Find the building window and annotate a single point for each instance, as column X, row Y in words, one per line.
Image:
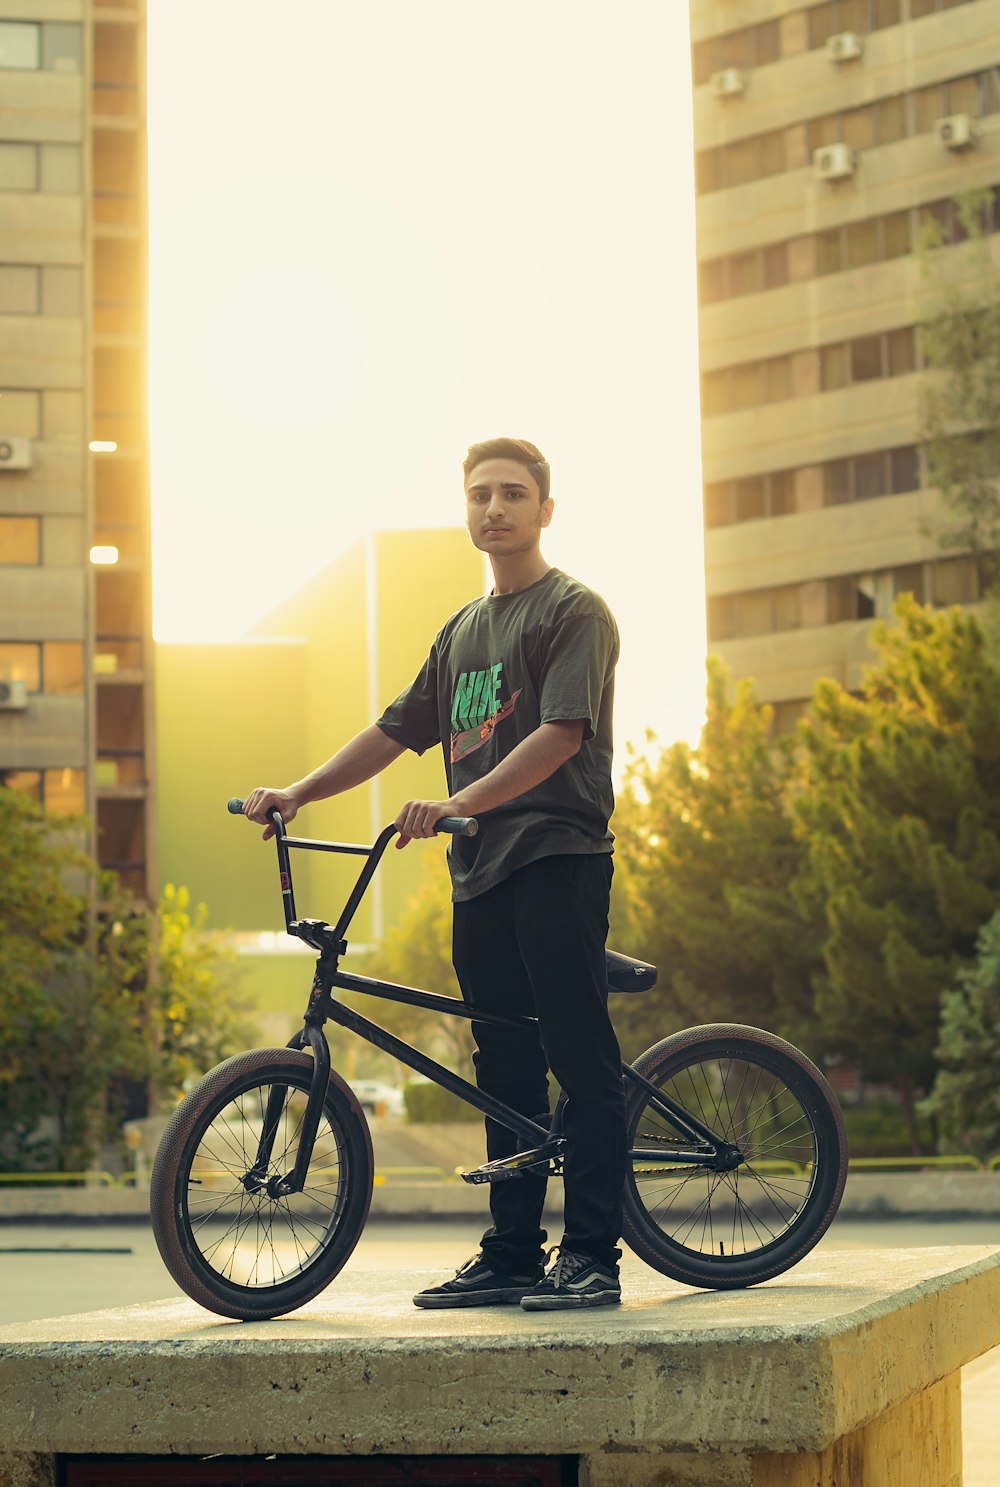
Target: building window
column 62, row 667
column 787, row 607
column 719, row 505
column 873, row 240
column 909, row 580
column 864, row 477
column 62, row 47
column 870, row 476
column 905, row 469
column 722, row 617
column 866, row 359
column 62, row 791
column 845, row 598
column 756, row 46
column 865, row 597
column 954, row 581
column 20, row 46
column 750, row 502
column 836, row 482
column 20, row 662
column 752, row 46
column 781, row 492
column 880, row 122
column 20, row 540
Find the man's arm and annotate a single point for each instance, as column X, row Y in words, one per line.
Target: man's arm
column 535, row 758
column 366, row 755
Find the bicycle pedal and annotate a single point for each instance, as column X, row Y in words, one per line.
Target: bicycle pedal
column 506, row 1168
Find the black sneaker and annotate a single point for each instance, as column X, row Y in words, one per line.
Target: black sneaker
column 574, row 1280
column 479, row 1283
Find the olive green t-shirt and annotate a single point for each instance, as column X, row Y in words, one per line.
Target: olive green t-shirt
column 497, row 670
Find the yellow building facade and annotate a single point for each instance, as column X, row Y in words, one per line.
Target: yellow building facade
column 267, row 710
column 825, row 134
column 76, row 695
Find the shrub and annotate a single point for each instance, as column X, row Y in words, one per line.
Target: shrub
column 429, row 1103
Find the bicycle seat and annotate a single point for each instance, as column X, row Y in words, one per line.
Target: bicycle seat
column 626, row 974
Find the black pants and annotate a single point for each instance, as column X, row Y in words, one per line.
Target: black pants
column 534, row 946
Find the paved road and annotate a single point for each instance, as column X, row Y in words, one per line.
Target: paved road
column 55, row 1270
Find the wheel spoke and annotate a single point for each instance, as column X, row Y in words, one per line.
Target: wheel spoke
column 249, row 1238
column 717, row 1215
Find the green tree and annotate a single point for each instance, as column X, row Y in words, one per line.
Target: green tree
column 93, row 1000
column 959, row 395
column 966, row 1094
column 705, row 856
column 417, row 952
column 42, row 946
column 197, row 1015
column 897, row 799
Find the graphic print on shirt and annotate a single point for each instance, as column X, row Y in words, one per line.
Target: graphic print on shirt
column 477, row 709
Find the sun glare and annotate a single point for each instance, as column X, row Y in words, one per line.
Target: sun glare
column 362, row 259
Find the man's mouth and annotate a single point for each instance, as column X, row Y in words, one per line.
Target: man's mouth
column 490, row 530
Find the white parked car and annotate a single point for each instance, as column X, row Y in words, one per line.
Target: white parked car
column 377, row 1098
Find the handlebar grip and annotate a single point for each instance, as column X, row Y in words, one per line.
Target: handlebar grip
column 458, row 825
column 235, row 806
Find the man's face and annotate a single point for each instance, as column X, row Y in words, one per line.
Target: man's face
column 503, row 508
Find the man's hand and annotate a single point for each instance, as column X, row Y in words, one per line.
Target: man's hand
column 418, row 818
column 262, row 800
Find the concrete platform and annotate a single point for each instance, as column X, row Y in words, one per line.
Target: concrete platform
column 845, row 1371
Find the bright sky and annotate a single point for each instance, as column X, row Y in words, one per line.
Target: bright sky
column 382, row 231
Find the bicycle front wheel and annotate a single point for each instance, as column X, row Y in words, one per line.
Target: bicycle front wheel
column 727, row 1229
column 246, row 1254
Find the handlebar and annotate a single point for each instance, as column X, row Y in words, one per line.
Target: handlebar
column 450, row 825
column 453, row 825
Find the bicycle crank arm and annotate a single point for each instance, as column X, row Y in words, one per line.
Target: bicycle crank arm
column 504, row 1168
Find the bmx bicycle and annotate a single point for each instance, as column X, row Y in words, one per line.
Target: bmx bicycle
column 263, row 1178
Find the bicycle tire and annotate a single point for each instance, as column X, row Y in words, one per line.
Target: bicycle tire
column 300, row 1246
column 776, row 1220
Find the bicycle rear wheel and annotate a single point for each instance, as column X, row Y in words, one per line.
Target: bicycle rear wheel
column 244, row 1253
column 727, row 1229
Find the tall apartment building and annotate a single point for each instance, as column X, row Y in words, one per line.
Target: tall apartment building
column 75, row 631
column 824, row 133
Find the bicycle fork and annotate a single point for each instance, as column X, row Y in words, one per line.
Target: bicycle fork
column 257, row 1180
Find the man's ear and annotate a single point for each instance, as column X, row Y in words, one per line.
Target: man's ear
column 545, row 516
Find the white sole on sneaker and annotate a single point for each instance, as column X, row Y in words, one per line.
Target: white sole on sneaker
column 566, row 1301
column 507, row 1297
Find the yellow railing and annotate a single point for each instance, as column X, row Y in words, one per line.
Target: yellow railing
column 438, row 1174
column 102, row 1179
column 908, row 1163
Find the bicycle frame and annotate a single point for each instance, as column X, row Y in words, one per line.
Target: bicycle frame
column 705, row 1149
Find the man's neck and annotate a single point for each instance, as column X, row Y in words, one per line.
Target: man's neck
column 518, row 572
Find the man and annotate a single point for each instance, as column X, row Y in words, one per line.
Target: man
column 518, row 689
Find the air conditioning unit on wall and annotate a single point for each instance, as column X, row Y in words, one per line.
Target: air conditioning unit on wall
column 833, row 162
column 845, row 47
column 13, row 697
column 726, row 84
column 15, row 452
column 955, row 132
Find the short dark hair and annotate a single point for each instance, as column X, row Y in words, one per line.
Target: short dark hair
column 511, row 449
